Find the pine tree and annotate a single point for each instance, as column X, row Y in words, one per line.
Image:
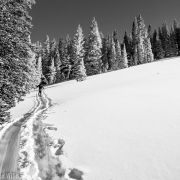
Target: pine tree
column 17, row 61
column 134, row 41
column 135, row 32
column 178, row 40
column 124, row 62
column 39, row 67
column 94, row 63
column 46, row 56
column 140, row 51
column 65, row 53
column 57, row 64
column 173, row 43
column 61, row 50
column 150, row 34
column 141, row 27
column 177, row 34
column 135, row 55
column 51, row 70
column 129, row 47
column 149, row 57
column 154, row 42
column 104, row 55
column 118, row 55
column 37, row 49
column 166, row 40
column 159, row 50
column 78, row 71
column 160, row 34
column 102, row 36
column 144, row 49
column 115, row 36
column 112, row 59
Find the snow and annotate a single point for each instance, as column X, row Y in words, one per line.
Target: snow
column 24, row 106
column 17, row 112
column 121, row 125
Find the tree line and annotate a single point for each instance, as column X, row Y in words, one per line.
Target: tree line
column 23, row 64
column 78, row 57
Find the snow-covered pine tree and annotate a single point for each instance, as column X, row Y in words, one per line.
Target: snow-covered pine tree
column 148, row 50
column 115, row 36
column 124, row 62
column 173, row 42
column 101, row 35
column 37, row 49
column 68, row 48
column 118, row 55
column 134, row 40
column 148, row 55
column 112, row 57
column 51, row 70
column 141, row 27
column 17, row 62
column 140, row 51
column 57, row 64
column 144, row 44
column 142, row 34
column 93, row 62
column 78, row 68
column 39, row 67
column 129, row 47
column 45, row 56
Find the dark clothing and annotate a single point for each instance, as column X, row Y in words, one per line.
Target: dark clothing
column 41, row 87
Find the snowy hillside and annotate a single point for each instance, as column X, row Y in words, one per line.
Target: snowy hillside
column 121, row 125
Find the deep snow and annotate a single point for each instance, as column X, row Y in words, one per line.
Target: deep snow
column 120, row 125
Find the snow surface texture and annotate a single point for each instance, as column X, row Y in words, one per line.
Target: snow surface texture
column 121, row 125
column 17, row 112
column 27, row 165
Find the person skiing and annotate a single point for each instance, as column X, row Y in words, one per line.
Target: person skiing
column 41, row 85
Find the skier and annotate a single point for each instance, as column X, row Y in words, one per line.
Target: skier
column 41, row 85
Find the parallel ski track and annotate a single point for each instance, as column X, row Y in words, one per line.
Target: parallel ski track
column 9, row 144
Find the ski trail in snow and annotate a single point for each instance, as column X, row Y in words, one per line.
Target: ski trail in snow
column 9, row 144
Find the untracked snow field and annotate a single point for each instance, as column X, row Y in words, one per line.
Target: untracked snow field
column 122, row 125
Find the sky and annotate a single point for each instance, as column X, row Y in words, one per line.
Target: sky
column 57, row 18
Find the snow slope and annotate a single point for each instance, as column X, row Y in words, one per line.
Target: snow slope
column 121, row 125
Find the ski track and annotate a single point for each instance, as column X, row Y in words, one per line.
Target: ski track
column 9, row 142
